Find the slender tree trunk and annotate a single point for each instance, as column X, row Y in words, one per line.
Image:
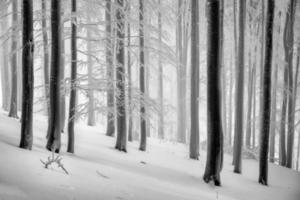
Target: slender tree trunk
column 91, row 103
column 238, row 139
column 121, row 118
column 5, row 82
column 194, row 138
column 214, row 120
column 62, row 74
column 295, row 97
column 46, row 53
column 72, row 105
column 274, row 103
column 160, row 77
column 181, row 78
column 288, row 45
column 250, row 94
column 13, row 111
column 54, row 128
column 110, row 129
column 264, row 132
column 130, row 106
column 28, row 78
column 142, row 77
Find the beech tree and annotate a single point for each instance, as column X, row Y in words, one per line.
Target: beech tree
column 28, row 76
column 142, row 77
column 54, row 126
column 72, row 106
column 120, row 70
column 214, row 158
column 264, row 134
column 238, row 131
column 194, row 138
column 13, row 111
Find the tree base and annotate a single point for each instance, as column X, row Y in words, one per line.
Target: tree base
column 214, row 178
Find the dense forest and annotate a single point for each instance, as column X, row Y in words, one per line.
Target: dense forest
column 221, row 78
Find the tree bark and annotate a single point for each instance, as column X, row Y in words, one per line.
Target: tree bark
column 13, row 111
column 214, row 114
column 46, row 54
column 121, row 117
column 5, row 74
column 72, row 105
column 28, row 77
column 238, row 138
column 160, row 77
column 181, row 79
column 54, row 128
column 194, row 138
column 142, row 77
column 110, row 129
column 264, row 134
column 130, row 106
column 288, row 46
column 91, row 102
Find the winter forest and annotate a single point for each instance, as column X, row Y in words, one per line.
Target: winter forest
column 149, row 99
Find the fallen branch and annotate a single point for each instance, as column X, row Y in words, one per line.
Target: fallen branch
column 53, row 159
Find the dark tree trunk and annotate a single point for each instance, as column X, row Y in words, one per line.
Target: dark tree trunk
column 142, row 78
column 264, row 132
column 72, row 106
column 238, row 138
column 54, row 127
column 194, row 138
column 13, row 111
column 160, row 77
column 288, row 46
column 130, row 106
column 110, row 129
column 121, row 117
column 28, row 78
column 214, row 120
column 46, row 54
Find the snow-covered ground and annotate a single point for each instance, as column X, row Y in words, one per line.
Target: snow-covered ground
column 98, row 171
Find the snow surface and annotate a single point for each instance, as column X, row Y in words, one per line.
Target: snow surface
column 98, row 171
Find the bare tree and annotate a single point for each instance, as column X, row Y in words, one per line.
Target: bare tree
column 194, row 138
column 28, row 76
column 214, row 158
column 264, row 134
column 121, row 117
column 72, row 106
column 54, row 127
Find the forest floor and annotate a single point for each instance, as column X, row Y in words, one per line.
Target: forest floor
column 98, row 171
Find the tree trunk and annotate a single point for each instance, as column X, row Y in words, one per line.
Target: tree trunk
column 194, row 138
column 121, row 118
column 160, row 77
column 264, row 132
column 62, row 75
column 28, row 77
column 110, row 129
column 130, row 106
column 13, row 111
column 54, row 127
column 274, row 103
column 46, row 53
column 142, row 77
column 5, row 82
column 288, row 46
column 214, row 120
column 181, row 79
column 91, row 103
column 72, row 105
column 238, row 138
